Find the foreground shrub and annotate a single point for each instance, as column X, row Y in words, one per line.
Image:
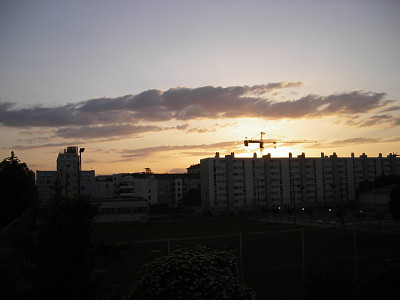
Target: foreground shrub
column 192, row 273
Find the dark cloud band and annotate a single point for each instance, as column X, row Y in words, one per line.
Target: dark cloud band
column 187, row 104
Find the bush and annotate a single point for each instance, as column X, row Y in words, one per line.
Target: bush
column 192, row 273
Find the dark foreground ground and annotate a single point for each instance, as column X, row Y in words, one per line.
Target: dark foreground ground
column 275, row 258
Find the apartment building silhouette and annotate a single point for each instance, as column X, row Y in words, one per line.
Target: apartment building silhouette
column 119, row 197
column 242, row 185
column 229, row 185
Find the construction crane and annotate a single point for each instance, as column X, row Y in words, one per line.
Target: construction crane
column 261, row 141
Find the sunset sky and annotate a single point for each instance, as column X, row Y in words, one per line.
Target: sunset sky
column 162, row 84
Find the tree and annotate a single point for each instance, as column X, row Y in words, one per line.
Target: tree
column 310, row 212
column 17, row 186
column 192, row 273
column 394, row 203
column 365, row 186
column 340, row 213
column 63, row 251
column 385, row 180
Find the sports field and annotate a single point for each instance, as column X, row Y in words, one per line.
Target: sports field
column 274, row 257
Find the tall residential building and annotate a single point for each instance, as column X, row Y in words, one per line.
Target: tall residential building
column 236, row 185
column 68, row 172
column 68, row 180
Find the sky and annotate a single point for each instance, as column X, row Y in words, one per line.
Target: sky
column 162, row 84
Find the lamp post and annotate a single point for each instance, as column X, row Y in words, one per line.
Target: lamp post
column 79, row 170
column 67, row 183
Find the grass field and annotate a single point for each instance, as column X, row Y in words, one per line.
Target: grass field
column 274, row 256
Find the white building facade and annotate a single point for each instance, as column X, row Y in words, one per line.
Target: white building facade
column 121, row 210
column 68, row 181
column 136, row 185
column 104, row 187
column 237, row 185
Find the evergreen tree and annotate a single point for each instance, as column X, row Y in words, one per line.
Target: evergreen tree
column 17, row 186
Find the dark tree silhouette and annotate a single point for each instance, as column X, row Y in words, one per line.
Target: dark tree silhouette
column 63, row 251
column 275, row 211
column 385, row 180
column 379, row 182
column 290, row 211
column 310, row 212
column 18, row 190
column 340, row 213
column 192, row 273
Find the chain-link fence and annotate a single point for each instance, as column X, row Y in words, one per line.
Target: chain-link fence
column 275, row 263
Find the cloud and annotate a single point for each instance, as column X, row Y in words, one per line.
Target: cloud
column 177, row 170
column 49, row 145
column 182, row 127
column 149, row 151
column 90, row 132
column 353, row 141
column 185, row 104
column 383, row 120
column 356, row 141
column 201, row 130
column 391, row 108
column 211, row 128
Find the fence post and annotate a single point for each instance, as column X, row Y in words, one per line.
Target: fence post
column 303, row 254
column 355, row 254
column 241, row 257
